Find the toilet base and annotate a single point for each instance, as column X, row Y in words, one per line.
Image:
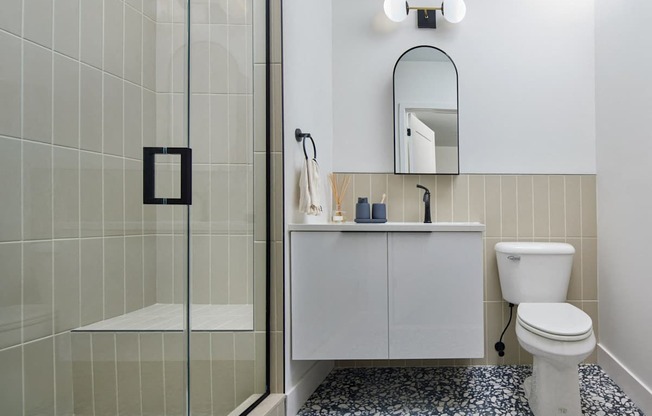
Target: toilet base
column 552, row 390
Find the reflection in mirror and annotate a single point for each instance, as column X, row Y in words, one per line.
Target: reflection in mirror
column 425, row 113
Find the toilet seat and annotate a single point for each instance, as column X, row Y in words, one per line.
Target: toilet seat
column 555, row 321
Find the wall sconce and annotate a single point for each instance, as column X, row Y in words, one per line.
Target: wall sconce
column 452, row 10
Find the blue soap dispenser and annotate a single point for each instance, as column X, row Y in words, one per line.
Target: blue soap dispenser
column 362, row 209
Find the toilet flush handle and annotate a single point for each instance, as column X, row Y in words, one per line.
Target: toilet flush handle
column 514, row 258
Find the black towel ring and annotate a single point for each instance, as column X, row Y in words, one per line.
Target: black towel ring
column 301, row 137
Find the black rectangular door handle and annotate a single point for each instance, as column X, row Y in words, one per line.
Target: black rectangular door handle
column 149, row 175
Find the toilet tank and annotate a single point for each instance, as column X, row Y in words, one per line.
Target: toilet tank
column 534, row 272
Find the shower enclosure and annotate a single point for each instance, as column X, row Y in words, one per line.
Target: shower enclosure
column 117, row 297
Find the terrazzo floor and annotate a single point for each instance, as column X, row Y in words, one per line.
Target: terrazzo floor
column 454, row 391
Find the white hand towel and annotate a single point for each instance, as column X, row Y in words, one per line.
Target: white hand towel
column 310, row 188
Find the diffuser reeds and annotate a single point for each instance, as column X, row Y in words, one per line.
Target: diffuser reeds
column 339, row 188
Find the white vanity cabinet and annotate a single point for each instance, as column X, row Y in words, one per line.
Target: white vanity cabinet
column 435, row 295
column 339, row 295
column 402, row 291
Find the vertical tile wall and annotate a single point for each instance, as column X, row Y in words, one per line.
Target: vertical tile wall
column 222, row 85
column 144, row 373
column 276, row 115
column 84, row 85
column 171, row 124
column 513, row 208
column 77, row 103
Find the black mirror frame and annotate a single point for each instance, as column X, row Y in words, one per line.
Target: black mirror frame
column 394, row 115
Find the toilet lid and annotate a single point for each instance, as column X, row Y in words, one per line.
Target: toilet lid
column 561, row 321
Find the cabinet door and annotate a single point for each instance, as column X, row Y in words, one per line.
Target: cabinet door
column 339, row 295
column 435, row 295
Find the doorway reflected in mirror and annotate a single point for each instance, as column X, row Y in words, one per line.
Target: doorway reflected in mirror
column 426, row 139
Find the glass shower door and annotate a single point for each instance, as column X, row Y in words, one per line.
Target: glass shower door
column 228, row 279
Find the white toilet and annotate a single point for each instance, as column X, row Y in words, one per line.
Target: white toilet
column 535, row 276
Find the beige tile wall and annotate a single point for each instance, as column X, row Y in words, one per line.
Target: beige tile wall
column 522, row 208
column 87, row 85
column 228, row 246
column 71, row 194
column 277, row 300
column 227, row 151
column 144, row 373
column 77, row 99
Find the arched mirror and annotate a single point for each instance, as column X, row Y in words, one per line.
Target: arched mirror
column 425, row 113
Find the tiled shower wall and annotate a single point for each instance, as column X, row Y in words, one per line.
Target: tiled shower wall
column 77, row 81
column 222, row 138
column 513, row 208
column 76, row 244
column 144, row 373
column 276, row 213
column 227, row 99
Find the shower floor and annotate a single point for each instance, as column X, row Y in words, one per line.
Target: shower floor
column 479, row 390
column 169, row 317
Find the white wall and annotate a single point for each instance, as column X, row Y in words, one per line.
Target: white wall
column 307, row 102
column 526, row 72
column 624, row 149
column 307, row 89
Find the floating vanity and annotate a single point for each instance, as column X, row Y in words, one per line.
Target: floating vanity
column 387, row 291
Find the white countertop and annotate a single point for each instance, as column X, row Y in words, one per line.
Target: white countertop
column 390, row 227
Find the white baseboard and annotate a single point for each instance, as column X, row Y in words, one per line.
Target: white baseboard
column 635, row 388
column 297, row 396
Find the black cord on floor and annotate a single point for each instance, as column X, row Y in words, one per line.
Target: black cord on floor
column 500, row 346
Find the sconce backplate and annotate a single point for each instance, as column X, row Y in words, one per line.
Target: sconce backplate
column 426, row 19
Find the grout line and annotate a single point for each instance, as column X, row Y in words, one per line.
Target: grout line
column 387, row 191
column 210, row 370
column 565, row 207
column 228, row 155
column 143, row 211
column 165, row 404
column 517, row 208
column 452, row 185
column 22, row 205
column 549, row 209
column 235, row 373
column 52, row 207
column 533, row 213
column 79, row 172
column 581, row 241
column 210, row 173
column 103, row 175
column 124, row 166
column 582, row 207
column 90, row 339
column 52, row 277
column 140, row 373
column 403, row 197
column 468, row 197
column 500, row 204
column 115, row 369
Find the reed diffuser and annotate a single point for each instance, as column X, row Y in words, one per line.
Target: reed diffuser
column 339, row 188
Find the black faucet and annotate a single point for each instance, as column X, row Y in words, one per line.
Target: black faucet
column 426, row 199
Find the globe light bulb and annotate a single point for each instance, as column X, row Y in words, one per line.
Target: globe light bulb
column 453, row 10
column 396, row 10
